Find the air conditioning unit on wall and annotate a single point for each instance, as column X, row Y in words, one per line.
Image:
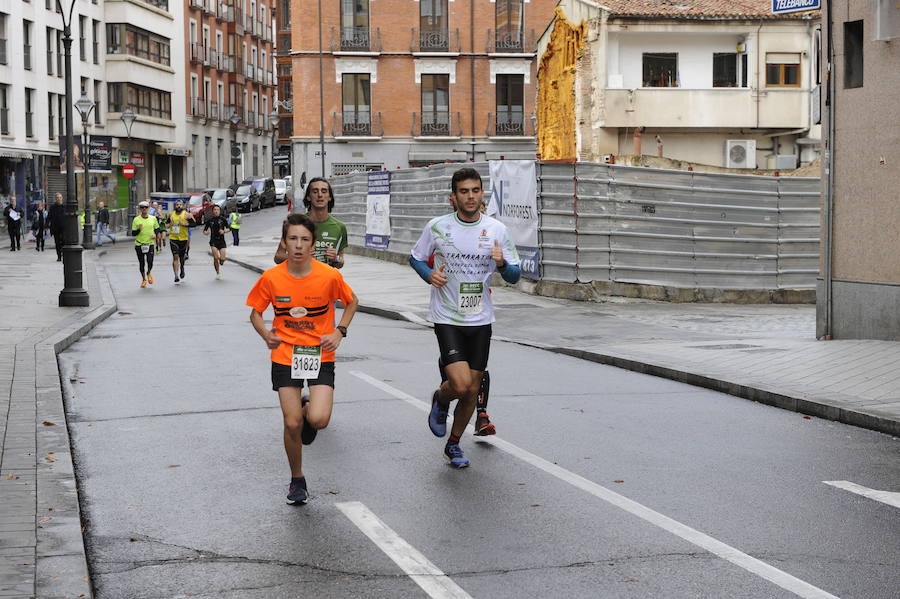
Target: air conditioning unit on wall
column 740, row 153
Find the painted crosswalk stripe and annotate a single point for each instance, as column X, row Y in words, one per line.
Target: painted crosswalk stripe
column 766, row 571
column 417, row 567
column 888, row 497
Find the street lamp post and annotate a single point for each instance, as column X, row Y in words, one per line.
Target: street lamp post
column 273, row 121
column 235, row 118
column 85, row 106
column 73, row 292
column 128, row 117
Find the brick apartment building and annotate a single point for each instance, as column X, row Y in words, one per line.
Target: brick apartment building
column 412, row 82
column 229, row 73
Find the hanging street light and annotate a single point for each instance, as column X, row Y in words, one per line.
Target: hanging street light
column 85, row 106
column 128, row 117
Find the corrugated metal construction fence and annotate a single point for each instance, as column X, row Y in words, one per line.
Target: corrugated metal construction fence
column 620, row 224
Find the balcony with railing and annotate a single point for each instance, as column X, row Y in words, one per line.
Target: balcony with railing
column 248, row 25
column 199, row 107
column 435, row 40
column 198, row 52
column 502, row 41
column 228, row 109
column 355, row 39
column 3, row 59
column 361, row 123
column 196, row 4
column 209, row 7
column 509, row 124
column 436, row 123
column 27, row 56
column 249, row 71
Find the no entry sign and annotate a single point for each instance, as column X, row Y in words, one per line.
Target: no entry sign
column 128, row 171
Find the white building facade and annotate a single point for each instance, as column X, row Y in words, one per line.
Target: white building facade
column 732, row 87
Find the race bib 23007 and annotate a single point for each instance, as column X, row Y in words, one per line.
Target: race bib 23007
column 471, row 295
column 306, row 361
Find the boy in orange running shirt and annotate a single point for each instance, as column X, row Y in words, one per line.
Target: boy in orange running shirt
column 303, row 339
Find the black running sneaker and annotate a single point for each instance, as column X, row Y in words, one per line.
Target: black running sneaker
column 308, row 434
column 297, row 494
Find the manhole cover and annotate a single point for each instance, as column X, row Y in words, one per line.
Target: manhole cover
column 724, row 346
column 340, row 358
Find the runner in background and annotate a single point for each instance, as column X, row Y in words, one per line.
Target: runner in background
column 331, row 234
column 143, row 228
column 215, row 227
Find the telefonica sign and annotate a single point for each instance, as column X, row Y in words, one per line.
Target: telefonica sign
column 780, row 7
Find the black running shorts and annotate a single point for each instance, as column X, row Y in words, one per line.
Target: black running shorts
column 464, row 344
column 281, row 376
column 179, row 246
column 217, row 242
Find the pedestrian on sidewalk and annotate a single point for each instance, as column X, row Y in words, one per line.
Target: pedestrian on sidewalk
column 103, row 224
column 13, row 224
column 468, row 247
column 234, row 222
column 143, row 228
column 39, row 226
column 179, row 225
column 331, row 234
column 215, row 227
column 58, row 224
column 303, row 339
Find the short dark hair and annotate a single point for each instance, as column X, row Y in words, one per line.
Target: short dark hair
column 297, row 219
column 308, row 203
column 464, row 174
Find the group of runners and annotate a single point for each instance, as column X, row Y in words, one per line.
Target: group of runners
column 456, row 255
column 151, row 227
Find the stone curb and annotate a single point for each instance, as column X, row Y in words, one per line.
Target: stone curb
column 61, row 568
column 805, row 405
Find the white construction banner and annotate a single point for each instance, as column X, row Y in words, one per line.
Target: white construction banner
column 514, row 203
column 378, row 211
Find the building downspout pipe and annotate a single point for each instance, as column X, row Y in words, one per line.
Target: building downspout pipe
column 472, row 69
column 828, row 250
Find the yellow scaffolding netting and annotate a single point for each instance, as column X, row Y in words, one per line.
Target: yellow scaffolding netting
column 556, row 90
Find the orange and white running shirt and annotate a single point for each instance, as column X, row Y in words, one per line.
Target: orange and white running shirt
column 304, row 306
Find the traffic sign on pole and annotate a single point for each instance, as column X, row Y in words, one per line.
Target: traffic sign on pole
column 128, row 170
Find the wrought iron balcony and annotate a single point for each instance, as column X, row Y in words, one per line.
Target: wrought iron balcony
column 224, row 12
column 509, row 124
column 435, row 40
column 361, row 123
column 199, row 107
column 355, row 39
column 196, row 4
column 249, row 71
column 436, row 124
column 198, row 52
column 504, row 41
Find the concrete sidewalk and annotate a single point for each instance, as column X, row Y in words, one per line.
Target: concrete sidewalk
column 41, row 545
column 766, row 352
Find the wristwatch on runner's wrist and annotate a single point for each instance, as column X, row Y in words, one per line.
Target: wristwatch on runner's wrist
column 342, row 329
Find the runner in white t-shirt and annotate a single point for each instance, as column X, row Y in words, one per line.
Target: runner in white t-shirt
column 468, row 247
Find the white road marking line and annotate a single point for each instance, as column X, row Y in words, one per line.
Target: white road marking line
column 888, row 497
column 751, row 564
column 417, row 567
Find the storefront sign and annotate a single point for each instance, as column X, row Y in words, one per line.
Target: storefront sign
column 100, row 154
column 178, row 152
column 135, row 158
column 780, row 7
column 282, row 159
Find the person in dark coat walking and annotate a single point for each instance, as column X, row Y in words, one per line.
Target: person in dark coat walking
column 13, row 225
column 39, row 226
column 103, row 224
column 58, row 224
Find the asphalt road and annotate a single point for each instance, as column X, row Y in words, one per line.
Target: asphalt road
column 601, row 482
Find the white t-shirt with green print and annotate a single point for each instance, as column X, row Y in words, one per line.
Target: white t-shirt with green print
column 465, row 249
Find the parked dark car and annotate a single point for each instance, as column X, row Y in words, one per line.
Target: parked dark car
column 200, row 206
column 265, row 187
column 247, row 198
column 224, row 198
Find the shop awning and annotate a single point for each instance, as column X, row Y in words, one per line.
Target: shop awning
column 12, row 153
